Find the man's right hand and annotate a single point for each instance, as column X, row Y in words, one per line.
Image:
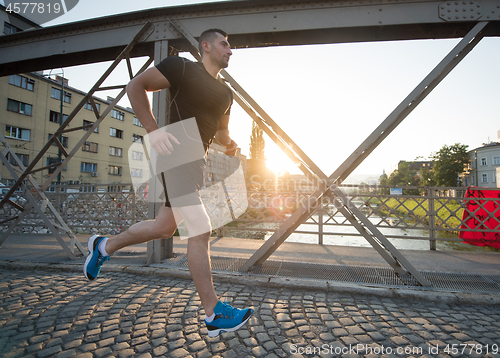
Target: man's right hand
column 161, row 142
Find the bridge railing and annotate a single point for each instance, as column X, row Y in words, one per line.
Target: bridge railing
column 418, row 213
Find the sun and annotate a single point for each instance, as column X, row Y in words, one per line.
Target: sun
column 278, row 162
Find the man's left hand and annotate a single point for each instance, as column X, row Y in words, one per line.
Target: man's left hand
column 231, row 148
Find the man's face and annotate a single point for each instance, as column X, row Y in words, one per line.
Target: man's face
column 220, row 51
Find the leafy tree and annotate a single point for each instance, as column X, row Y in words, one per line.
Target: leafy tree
column 427, row 177
column 449, row 161
column 257, row 144
column 405, row 176
column 257, row 170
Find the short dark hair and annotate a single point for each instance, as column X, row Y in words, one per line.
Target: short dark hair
column 209, row 36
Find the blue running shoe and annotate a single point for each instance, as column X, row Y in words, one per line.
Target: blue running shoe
column 227, row 319
column 95, row 259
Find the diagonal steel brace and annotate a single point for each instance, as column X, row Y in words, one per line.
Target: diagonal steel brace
column 329, row 185
column 380, row 133
column 143, row 33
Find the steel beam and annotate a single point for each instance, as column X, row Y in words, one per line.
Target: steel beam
column 40, row 209
column 251, row 24
column 396, row 117
column 160, row 249
column 26, row 172
column 395, row 259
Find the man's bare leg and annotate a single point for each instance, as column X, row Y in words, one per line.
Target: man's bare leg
column 162, row 227
column 201, row 271
column 198, row 251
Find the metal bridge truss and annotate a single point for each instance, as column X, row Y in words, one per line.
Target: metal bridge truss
column 329, row 185
column 371, row 28
column 36, row 196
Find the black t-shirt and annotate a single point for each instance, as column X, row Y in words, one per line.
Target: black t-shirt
column 196, row 93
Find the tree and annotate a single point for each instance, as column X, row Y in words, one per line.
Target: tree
column 257, row 144
column 405, row 176
column 257, row 170
column 449, row 162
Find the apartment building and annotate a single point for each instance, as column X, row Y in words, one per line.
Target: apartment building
column 30, row 111
column 485, row 165
column 30, row 114
column 220, row 166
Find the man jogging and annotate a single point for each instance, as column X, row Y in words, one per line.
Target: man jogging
column 197, row 93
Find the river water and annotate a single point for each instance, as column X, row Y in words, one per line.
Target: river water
column 446, row 240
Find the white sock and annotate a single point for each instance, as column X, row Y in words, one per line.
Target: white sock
column 210, row 319
column 102, row 247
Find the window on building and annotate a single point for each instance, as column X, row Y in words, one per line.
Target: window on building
column 87, row 123
column 89, row 147
column 114, row 189
column 24, row 158
column 10, row 29
column 136, row 173
column 137, row 155
column 117, row 152
column 113, row 132
column 19, row 107
column 137, row 122
column 88, row 167
column 90, row 108
column 114, row 170
column 23, row 82
column 53, row 160
column 136, row 137
column 54, row 116
column 64, row 140
column 117, row 114
column 496, row 160
column 17, row 133
column 87, row 188
column 483, row 162
column 484, row 178
column 56, row 94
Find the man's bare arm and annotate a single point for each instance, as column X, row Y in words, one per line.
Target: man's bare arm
column 222, row 136
column 150, row 80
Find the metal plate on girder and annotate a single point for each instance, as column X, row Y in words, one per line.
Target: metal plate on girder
column 460, row 10
column 363, row 275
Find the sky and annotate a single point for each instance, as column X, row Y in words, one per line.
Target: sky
column 329, row 98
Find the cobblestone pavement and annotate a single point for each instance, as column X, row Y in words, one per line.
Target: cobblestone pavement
column 52, row 314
